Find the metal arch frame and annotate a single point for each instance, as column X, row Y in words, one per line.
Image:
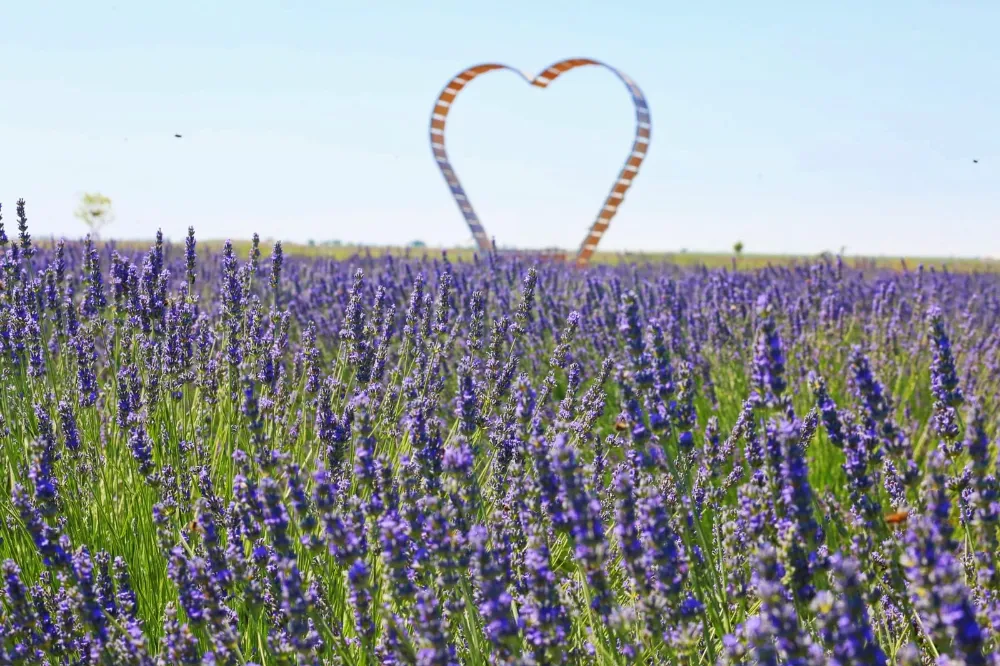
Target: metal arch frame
column 640, row 146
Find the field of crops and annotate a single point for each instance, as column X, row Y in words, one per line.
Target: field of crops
column 607, row 258
column 221, row 458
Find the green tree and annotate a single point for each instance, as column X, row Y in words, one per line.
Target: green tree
column 95, row 211
column 738, row 248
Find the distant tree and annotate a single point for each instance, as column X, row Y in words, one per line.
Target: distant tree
column 738, row 248
column 418, row 243
column 311, row 243
column 95, row 211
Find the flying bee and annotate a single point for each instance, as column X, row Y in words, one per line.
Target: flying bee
column 897, row 518
column 621, row 423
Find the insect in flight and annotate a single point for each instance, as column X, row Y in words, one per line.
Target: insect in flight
column 897, row 518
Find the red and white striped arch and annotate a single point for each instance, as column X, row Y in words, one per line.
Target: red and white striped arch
column 640, row 147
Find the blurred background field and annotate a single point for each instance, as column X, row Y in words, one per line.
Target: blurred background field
column 742, row 261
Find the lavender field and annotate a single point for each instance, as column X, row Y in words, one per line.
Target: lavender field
column 221, row 459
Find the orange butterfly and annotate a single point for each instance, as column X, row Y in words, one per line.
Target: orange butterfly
column 897, row 518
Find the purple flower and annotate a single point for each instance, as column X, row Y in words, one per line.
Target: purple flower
column 86, row 375
column 495, row 607
column 467, row 401
column 803, row 534
column 277, row 261
column 936, row 576
column 846, row 628
column 93, row 298
column 190, row 258
column 22, row 226
column 776, row 634
column 83, row 574
column 561, row 353
column 435, row 649
column 546, row 620
column 828, row 411
column 523, row 315
column 394, row 537
column 626, row 528
column 769, row 356
column 944, row 380
column 179, row 644
column 583, row 513
column 141, row 448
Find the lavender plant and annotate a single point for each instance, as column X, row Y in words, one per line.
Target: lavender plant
column 215, row 456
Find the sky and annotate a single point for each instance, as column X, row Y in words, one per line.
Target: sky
column 793, row 127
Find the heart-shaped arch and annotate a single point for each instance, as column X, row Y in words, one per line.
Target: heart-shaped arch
column 614, row 200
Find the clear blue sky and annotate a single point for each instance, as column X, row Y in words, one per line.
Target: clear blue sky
column 792, row 126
